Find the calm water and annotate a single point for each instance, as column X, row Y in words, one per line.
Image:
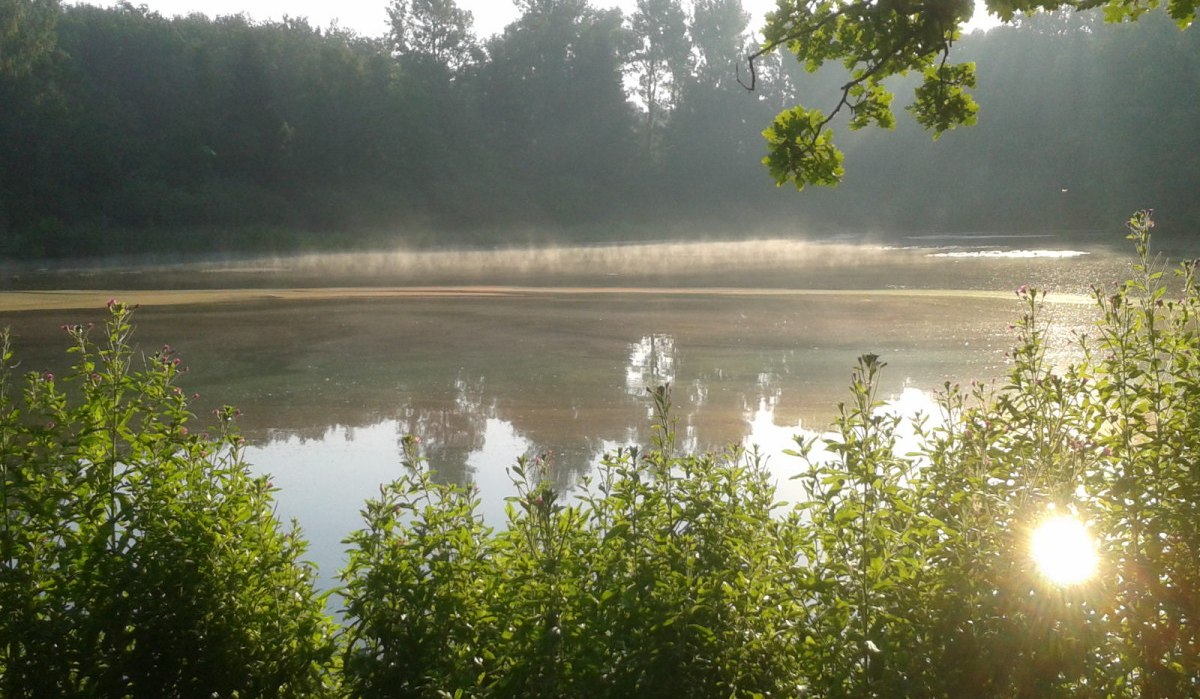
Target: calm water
column 758, row 348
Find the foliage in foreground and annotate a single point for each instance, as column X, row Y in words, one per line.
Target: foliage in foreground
column 879, row 41
column 930, row 584
column 142, row 561
column 139, row 559
column 667, row 576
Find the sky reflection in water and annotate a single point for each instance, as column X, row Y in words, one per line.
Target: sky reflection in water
column 323, row 483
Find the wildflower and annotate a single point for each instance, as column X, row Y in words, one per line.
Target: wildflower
column 48, row 377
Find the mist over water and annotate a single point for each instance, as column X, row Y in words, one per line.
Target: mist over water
column 984, row 262
column 639, row 259
column 768, row 263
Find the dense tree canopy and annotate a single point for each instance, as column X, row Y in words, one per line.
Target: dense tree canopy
column 133, row 132
column 26, row 34
column 434, row 30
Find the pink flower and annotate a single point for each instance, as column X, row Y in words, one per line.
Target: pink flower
column 110, row 303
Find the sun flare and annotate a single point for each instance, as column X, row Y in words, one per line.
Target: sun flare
column 1064, row 550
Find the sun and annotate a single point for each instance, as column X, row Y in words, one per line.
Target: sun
column 1064, row 550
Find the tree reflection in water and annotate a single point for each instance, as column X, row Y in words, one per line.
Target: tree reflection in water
column 450, row 431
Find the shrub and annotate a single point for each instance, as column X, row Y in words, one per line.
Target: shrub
column 927, row 584
column 666, row 577
column 141, row 559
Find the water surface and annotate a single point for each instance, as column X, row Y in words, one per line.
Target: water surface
column 502, row 355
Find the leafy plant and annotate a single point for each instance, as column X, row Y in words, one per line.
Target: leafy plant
column 417, row 588
column 662, row 578
column 876, row 41
column 926, row 585
column 139, row 558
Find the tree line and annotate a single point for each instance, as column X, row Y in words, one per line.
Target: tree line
column 126, row 131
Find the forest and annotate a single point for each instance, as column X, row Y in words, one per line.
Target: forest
column 126, row 131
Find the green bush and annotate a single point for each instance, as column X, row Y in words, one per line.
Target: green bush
column 927, row 583
column 666, row 577
column 140, row 559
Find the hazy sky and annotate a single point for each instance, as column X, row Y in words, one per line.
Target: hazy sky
column 369, row 17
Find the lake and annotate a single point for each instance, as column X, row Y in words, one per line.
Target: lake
column 487, row 355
